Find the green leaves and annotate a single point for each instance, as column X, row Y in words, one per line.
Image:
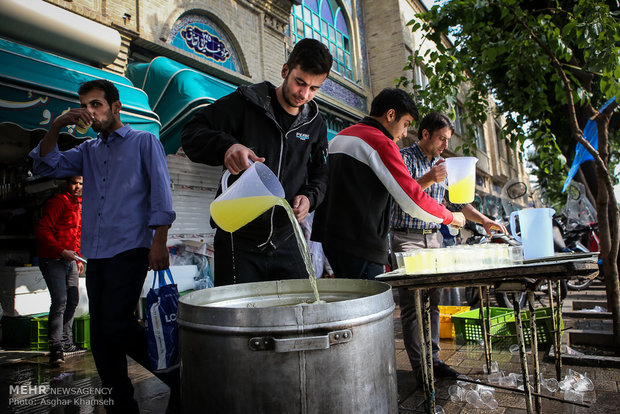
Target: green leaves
column 533, row 59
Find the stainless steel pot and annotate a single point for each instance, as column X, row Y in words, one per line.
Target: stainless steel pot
column 253, row 348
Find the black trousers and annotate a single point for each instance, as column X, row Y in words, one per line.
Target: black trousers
column 237, row 261
column 114, row 287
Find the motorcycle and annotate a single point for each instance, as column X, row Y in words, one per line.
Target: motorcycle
column 579, row 226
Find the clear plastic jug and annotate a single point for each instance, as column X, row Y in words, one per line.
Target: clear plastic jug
column 256, row 191
column 536, row 231
column 461, row 179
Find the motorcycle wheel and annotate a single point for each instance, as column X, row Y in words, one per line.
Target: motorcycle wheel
column 578, row 283
column 563, row 288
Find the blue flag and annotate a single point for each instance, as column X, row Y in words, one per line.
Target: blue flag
column 590, row 133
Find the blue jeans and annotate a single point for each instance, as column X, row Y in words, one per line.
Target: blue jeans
column 62, row 281
column 346, row 265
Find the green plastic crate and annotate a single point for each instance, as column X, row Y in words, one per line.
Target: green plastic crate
column 16, row 330
column 544, row 326
column 467, row 324
column 81, row 331
column 39, row 333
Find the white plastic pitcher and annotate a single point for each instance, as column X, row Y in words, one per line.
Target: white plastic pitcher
column 461, row 179
column 256, row 191
column 536, row 231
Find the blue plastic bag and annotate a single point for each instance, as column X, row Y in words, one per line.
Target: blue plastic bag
column 162, row 333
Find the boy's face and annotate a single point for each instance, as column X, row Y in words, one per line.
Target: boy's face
column 74, row 186
column 398, row 127
column 299, row 87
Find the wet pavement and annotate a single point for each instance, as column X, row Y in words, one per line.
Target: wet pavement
column 29, row 385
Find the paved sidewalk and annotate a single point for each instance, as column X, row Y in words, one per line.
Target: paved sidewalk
column 79, row 374
column 469, row 359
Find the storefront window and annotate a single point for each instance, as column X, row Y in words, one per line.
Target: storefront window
column 330, row 27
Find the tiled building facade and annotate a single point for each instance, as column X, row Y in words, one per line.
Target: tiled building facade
column 229, row 43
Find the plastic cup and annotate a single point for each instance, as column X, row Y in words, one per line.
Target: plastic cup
column 461, row 173
column 427, row 261
column 472, row 397
column 515, row 254
column 495, row 377
column 412, row 260
column 494, row 367
column 400, row 261
column 583, row 385
column 550, row 384
column 82, row 128
column 574, row 396
column 508, row 381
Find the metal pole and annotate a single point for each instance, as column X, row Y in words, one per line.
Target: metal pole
column 521, row 341
column 483, row 325
column 534, row 345
column 556, row 333
column 429, row 351
column 427, row 385
column 488, row 322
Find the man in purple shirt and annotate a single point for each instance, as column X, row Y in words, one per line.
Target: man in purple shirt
column 127, row 210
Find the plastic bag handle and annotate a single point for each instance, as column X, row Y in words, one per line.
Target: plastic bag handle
column 160, row 276
column 227, row 174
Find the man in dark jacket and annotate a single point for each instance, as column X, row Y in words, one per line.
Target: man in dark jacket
column 366, row 172
column 280, row 126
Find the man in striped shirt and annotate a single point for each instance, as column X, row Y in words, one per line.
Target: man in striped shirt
column 427, row 167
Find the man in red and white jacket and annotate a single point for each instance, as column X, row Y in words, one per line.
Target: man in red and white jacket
column 59, row 232
column 366, row 170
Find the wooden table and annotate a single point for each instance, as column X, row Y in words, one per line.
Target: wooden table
column 526, row 277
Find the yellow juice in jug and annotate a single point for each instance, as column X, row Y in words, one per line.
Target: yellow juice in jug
column 231, row 215
column 463, row 191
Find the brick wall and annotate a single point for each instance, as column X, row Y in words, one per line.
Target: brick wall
column 385, row 43
column 256, row 27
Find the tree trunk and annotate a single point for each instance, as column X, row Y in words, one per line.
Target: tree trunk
column 609, row 228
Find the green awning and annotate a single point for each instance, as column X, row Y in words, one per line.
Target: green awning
column 175, row 92
column 36, row 87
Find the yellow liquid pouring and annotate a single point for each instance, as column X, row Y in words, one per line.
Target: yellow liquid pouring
column 231, row 215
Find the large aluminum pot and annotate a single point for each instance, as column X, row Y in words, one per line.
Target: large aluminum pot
column 253, row 348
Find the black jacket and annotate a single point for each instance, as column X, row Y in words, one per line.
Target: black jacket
column 366, row 171
column 298, row 156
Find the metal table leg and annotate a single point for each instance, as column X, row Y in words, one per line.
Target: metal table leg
column 522, row 356
column 556, row 312
column 426, row 349
column 534, row 346
column 485, row 325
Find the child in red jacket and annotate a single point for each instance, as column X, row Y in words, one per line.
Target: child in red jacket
column 59, row 233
